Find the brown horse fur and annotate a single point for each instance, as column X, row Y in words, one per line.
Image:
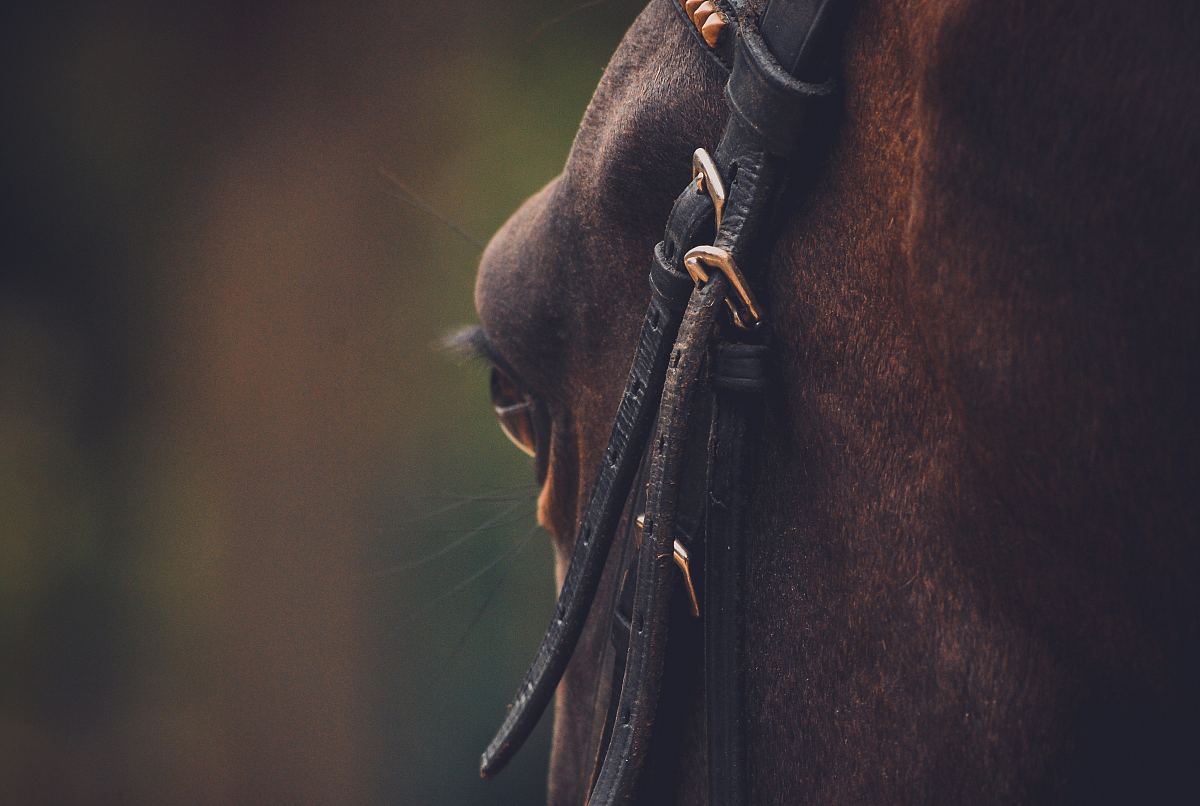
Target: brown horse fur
column 974, row 544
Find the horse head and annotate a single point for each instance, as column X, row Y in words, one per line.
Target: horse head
column 972, row 532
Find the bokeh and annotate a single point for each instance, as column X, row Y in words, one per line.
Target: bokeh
column 260, row 539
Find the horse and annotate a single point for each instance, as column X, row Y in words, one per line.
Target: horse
column 971, row 545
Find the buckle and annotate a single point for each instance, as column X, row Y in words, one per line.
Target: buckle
column 708, row 179
column 747, row 314
column 679, row 554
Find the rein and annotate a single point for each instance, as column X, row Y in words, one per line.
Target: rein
column 688, row 420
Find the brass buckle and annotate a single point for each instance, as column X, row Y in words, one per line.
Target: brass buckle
column 746, row 311
column 679, row 554
column 708, row 179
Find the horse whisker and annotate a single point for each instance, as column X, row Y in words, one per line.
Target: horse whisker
column 512, row 551
column 464, row 502
column 447, row 548
column 563, row 15
column 483, row 607
column 406, row 195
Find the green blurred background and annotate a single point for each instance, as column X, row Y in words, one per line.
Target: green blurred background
column 260, row 542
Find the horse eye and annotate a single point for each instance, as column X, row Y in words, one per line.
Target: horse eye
column 515, row 411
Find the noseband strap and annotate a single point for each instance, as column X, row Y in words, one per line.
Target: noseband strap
column 692, row 363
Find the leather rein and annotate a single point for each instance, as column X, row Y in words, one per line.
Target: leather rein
column 688, row 419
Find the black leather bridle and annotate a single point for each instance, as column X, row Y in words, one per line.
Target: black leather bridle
column 697, row 378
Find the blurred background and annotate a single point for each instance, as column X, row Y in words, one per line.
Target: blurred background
column 260, row 541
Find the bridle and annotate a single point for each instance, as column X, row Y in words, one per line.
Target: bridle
column 697, row 378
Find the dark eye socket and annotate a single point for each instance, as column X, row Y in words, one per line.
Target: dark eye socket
column 516, row 411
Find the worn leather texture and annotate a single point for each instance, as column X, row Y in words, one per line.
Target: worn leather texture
column 738, row 378
column 771, row 136
column 656, row 576
column 771, row 121
column 778, row 108
column 635, row 414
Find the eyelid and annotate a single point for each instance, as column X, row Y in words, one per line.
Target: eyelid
column 473, row 342
column 511, row 422
column 515, row 407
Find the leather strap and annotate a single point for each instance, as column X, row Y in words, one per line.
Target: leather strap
column 656, row 572
column 803, row 35
column 670, row 289
column 691, row 506
column 771, row 122
column 738, row 380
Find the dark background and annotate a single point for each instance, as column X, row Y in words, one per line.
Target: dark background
column 259, row 540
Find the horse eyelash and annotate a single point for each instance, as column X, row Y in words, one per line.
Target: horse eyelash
column 472, row 344
column 469, row 342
